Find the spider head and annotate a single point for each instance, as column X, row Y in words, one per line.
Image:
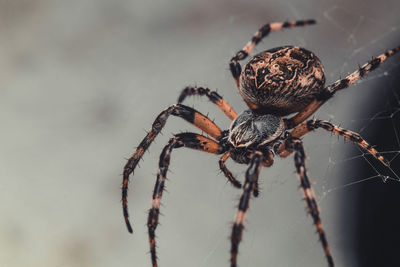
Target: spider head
column 281, row 80
column 250, row 129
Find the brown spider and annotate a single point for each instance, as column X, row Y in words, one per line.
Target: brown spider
column 274, row 84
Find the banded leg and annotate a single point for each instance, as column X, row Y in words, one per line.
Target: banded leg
column 226, row 172
column 234, row 64
column 192, row 116
column 190, row 140
column 311, row 125
column 248, row 189
column 331, row 89
column 212, row 96
column 309, row 197
column 268, row 161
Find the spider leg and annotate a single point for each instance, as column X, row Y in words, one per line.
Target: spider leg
column 331, row 89
column 256, row 190
column 192, row 116
column 190, row 140
column 234, row 64
column 226, row 172
column 249, row 186
column 212, row 96
column 309, row 197
column 268, row 161
column 311, row 125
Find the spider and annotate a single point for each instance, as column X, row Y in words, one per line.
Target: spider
column 274, row 84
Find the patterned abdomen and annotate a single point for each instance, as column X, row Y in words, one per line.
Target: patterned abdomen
column 281, row 80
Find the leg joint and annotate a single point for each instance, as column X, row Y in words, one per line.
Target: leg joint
column 235, row 68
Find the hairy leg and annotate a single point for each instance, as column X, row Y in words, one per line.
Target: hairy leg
column 213, row 96
column 250, row 185
column 192, row 116
column 190, row 140
column 310, row 125
column 226, row 172
column 309, row 197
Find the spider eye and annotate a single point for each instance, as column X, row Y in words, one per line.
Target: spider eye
column 286, row 134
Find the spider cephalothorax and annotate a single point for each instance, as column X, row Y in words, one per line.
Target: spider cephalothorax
column 251, row 130
column 274, row 84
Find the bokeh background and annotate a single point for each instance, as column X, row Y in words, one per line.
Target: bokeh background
column 81, row 81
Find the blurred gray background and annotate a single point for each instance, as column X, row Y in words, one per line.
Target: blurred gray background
column 80, row 83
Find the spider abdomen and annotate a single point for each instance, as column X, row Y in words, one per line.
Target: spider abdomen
column 281, row 80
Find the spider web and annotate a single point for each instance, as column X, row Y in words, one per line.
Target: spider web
column 390, row 109
column 383, row 112
column 350, row 169
column 385, row 174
